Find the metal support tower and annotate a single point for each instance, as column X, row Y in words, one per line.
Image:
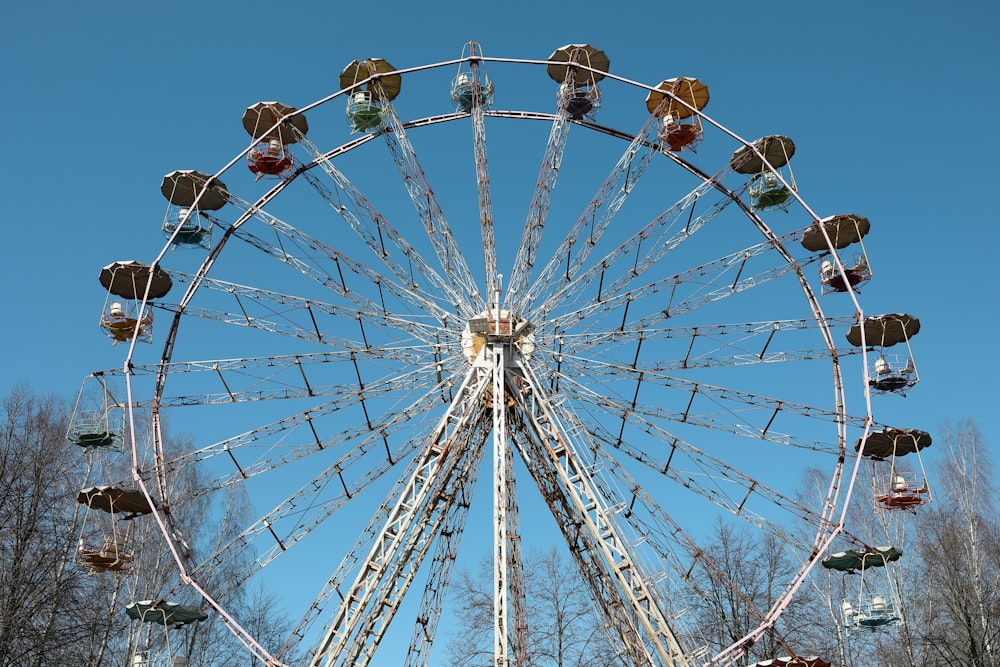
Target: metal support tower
column 596, row 540
column 437, row 463
column 500, row 488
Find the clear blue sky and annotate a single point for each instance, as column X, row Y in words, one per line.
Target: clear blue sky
column 892, row 106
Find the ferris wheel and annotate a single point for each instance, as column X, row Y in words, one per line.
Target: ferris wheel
column 621, row 328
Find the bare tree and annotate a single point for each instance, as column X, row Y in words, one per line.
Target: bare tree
column 819, row 619
column 948, row 579
column 741, row 576
column 37, row 527
column 55, row 609
column 955, row 613
column 565, row 629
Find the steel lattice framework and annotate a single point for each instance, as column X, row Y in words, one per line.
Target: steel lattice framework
column 344, row 354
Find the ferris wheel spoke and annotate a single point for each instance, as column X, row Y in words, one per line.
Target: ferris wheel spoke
column 414, row 272
column 686, row 291
column 295, row 517
column 364, row 545
column 727, row 410
column 311, row 319
column 634, row 498
column 303, row 512
column 310, row 255
column 372, row 227
column 481, row 91
column 723, row 485
column 699, row 341
column 327, row 267
column 254, row 366
column 531, row 237
column 563, row 265
column 699, row 347
column 710, row 478
column 710, row 359
column 642, row 251
column 438, row 230
column 292, row 381
column 678, row 551
column 268, row 448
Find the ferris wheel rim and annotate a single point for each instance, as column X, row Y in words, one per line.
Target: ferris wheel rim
column 205, row 268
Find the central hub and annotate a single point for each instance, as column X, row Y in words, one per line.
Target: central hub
column 497, row 325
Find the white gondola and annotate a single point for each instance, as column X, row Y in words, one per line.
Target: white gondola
column 894, row 374
column 98, row 419
column 276, row 126
column 873, row 608
column 897, row 488
column 372, row 85
column 127, row 284
column 579, row 94
column 192, row 199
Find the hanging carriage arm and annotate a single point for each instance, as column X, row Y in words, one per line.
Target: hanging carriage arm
column 455, row 486
column 483, row 176
column 374, row 229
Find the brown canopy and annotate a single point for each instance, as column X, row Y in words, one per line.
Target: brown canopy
column 181, row 187
column 359, row 71
column 128, row 279
column 885, row 330
column 689, row 90
column 261, row 117
column 582, row 54
column 891, row 441
column 777, row 150
column 843, row 230
column 113, row 499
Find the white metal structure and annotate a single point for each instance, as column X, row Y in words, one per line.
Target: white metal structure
column 656, row 357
